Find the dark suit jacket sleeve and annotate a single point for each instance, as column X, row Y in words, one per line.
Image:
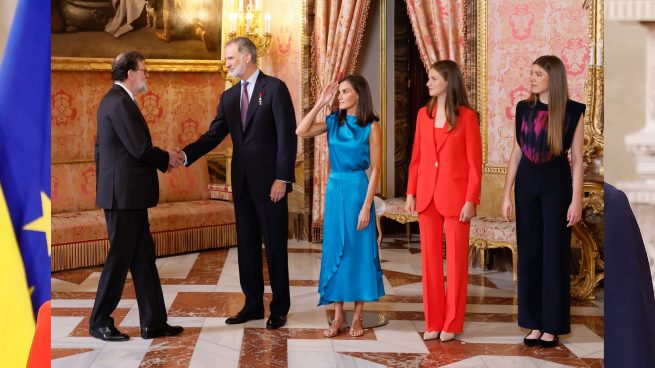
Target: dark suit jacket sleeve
column 218, row 130
column 125, row 118
column 285, row 127
column 629, row 300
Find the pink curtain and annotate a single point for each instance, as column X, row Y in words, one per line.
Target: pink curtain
column 439, row 29
column 338, row 30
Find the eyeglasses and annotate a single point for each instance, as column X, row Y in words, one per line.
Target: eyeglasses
column 145, row 71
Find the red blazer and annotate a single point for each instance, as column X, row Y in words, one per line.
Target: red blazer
column 450, row 171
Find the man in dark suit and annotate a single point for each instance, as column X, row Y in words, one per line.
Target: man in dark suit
column 259, row 116
column 127, row 185
column 629, row 299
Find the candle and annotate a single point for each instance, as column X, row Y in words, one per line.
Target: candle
column 233, row 23
column 258, row 5
column 240, row 5
column 248, row 21
column 267, row 23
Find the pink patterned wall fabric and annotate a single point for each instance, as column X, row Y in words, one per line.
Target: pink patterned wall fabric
column 338, row 30
column 177, row 106
column 518, row 32
column 284, row 57
column 438, row 26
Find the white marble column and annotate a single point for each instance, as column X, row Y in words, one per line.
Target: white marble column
column 641, row 143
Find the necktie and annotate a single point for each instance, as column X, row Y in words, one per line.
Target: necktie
column 244, row 103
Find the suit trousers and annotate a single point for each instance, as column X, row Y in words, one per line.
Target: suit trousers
column 131, row 247
column 444, row 307
column 257, row 218
column 543, row 194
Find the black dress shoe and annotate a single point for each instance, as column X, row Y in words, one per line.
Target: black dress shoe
column 275, row 322
column 549, row 344
column 243, row 316
column 164, row 329
column 107, row 333
column 531, row 342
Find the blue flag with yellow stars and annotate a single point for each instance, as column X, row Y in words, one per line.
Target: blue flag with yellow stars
column 24, row 174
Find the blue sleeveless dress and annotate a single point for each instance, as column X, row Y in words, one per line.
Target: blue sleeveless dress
column 350, row 264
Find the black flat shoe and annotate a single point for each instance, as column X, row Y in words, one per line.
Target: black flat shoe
column 275, row 322
column 243, row 317
column 549, row 344
column 531, row 342
column 107, row 333
column 165, row 329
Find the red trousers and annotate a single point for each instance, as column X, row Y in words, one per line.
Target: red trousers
column 444, row 308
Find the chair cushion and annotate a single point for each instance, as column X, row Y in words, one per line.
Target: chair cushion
column 220, row 191
column 493, row 229
column 90, row 225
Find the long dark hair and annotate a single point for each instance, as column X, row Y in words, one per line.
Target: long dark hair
column 365, row 114
column 455, row 92
column 558, row 94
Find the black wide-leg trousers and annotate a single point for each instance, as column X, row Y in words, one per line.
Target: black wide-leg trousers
column 543, row 194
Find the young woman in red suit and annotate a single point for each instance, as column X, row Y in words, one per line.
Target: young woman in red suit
column 444, row 188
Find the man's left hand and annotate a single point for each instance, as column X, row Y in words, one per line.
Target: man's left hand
column 278, row 190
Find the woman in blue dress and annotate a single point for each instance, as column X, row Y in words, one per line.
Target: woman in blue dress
column 350, row 265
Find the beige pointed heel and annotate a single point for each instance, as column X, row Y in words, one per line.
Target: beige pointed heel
column 447, row 336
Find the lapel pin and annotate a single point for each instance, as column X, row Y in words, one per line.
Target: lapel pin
column 261, row 94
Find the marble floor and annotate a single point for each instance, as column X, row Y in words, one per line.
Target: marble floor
column 202, row 289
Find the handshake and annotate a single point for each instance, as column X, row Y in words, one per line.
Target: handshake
column 176, row 158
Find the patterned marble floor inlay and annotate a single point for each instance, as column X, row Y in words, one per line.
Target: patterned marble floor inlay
column 202, row 289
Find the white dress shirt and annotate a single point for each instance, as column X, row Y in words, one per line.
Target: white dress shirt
column 251, row 84
column 126, row 89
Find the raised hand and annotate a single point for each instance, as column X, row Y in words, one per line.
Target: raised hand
column 327, row 96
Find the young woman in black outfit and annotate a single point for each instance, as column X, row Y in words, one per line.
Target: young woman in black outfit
column 548, row 194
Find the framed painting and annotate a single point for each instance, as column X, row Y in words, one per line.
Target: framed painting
column 174, row 35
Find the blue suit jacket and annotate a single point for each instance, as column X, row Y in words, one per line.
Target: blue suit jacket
column 266, row 149
column 629, row 300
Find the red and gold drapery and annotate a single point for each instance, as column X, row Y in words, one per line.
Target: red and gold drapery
column 439, row 29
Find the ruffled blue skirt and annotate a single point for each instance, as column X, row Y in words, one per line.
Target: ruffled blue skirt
column 350, row 263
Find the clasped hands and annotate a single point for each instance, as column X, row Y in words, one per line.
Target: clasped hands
column 176, row 158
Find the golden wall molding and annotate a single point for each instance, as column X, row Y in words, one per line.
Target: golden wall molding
column 482, row 81
column 154, row 65
column 492, row 169
column 383, row 94
column 594, row 141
